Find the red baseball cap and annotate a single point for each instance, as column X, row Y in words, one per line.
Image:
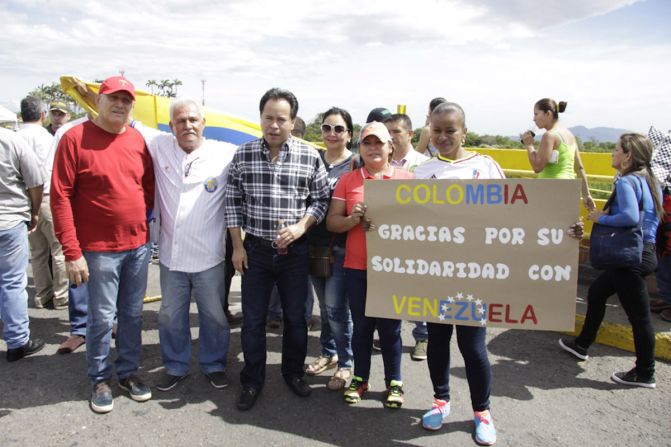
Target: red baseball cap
column 115, row 84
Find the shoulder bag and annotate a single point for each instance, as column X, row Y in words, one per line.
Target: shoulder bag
column 617, row 247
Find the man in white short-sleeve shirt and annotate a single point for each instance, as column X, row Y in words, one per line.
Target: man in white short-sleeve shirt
column 190, row 178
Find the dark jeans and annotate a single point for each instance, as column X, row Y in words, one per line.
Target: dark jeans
column 78, row 308
column 629, row 284
column 290, row 273
column 471, row 341
column 230, row 270
column 362, row 339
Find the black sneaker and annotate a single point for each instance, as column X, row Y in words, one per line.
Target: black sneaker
column 218, row 379
column 377, row 346
column 247, row 398
column 570, row 346
column 168, row 381
column 31, row 347
column 137, row 390
column 632, row 379
column 101, row 398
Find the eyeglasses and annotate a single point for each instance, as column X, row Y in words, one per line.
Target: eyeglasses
column 326, row 128
column 187, row 168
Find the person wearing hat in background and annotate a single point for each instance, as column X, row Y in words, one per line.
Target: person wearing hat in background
column 379, row 114
column 347, row 213
column 51, row 285
column 58, row 115
column 101, row 193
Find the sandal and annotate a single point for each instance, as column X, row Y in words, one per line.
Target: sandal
column 321, row 364
column 339, row 379
column 656, row 306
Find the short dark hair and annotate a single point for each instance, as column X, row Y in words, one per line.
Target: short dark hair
column 299, row 128
column 31, row 109
column 277, row 94
column 344, row 114
column 436, row 102
column 405, row 119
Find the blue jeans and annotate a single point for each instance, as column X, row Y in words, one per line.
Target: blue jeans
column 362, row 339
column 275, row 306
column 420, row 332
column 471, row 341
column 13, row 282
column 290, row 273
column 336, row 319
column 173, row 319
column 78, row 297
column 117, row 284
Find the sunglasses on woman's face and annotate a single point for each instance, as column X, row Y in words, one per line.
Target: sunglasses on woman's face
column 326, row 128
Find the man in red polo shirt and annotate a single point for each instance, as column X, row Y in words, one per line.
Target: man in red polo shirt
column 102, row 189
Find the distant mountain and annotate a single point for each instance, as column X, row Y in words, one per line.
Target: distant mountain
column 600, row 134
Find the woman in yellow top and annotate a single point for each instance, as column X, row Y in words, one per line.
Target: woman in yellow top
column 558, row 155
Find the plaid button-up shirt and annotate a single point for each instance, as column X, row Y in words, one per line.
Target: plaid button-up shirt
column 260, row 192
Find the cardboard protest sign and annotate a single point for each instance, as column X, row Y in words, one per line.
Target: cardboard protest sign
column 473, row 252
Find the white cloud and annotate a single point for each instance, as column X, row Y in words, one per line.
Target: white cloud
column 496, row 57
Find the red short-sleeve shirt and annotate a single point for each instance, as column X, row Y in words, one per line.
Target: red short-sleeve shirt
column 350, row 189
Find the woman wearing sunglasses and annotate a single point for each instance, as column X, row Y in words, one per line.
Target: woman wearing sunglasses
column 336, row 328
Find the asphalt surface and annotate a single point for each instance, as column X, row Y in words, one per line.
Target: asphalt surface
column 540, row 396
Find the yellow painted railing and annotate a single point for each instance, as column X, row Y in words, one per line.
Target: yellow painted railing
column 515, row 164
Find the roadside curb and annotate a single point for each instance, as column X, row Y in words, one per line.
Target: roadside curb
column 620, row 336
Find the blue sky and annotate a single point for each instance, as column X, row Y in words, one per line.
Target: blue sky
column 609, row 59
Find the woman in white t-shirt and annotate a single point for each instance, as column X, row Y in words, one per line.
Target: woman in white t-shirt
column 448, row 134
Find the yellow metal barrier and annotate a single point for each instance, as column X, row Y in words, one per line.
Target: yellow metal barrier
column 515, row 164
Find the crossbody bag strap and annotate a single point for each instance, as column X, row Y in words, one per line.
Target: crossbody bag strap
column 330, row 249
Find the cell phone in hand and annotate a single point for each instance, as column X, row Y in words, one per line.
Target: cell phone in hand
column 532, row 134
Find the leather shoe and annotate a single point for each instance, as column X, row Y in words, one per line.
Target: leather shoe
column 72, row 343
column 665, row 315
column 234, row 318
column 31, row 347
column 247, row 398
column 298, row 386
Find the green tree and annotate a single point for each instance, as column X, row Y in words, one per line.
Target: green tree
column 164, row 87
column 52, row 92
column 313, row 132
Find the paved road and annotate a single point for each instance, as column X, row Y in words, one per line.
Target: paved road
column 540, row 397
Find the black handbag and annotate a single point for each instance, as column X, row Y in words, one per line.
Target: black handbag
column 617, row 247
column 321, row 259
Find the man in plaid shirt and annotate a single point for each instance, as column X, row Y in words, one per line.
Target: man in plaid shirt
column 272, row 179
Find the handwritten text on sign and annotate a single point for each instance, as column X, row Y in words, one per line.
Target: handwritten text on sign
column 473, row 252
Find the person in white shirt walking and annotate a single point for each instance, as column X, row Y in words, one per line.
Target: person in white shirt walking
column 405, row 156
column 190, row 178
column 51, row 285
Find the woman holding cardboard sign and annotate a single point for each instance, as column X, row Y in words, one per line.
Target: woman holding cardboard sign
column 636, row 198
column 448, row 134
column 347, row 213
